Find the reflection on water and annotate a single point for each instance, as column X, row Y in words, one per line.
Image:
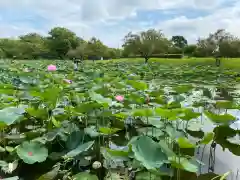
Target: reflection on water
column 222, row 159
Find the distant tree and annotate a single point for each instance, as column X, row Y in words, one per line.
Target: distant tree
column 145, row 43
column 11, row 48
column 189, row 50
column 2, row 54
column 79, row 53
column 96, row 49
column 114, row 53
column 61, row 40
column 207, row 47
column 179, row 41
column 174, row 50
column 63, row 43
column 33, row 45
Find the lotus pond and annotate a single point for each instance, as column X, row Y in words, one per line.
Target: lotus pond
column 118, row 121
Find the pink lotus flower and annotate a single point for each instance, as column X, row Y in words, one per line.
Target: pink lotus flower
column 67, row 81
column 52, row 67
column 30, row 153
column 119, row 98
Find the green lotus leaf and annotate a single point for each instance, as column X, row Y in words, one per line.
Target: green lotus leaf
column 183, row 88
column 168, row 114
column 11, row 114
column 85, row 176
column 184, row 143
column 100, row 99
column 50, row 175
column 220, row 118
column 189, row 114
column 91, row 131
column 183, row 163
column 141, row 146
column 155, row 121
column 151, row 131
column 79, row 149
column 74, row 139
column 143, row 112
column 107, row 131
column 224, row 104
column 32, row 152
column 208, row 137
column 139, row 85
column 147, row 176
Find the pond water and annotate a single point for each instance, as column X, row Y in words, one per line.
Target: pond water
column 224, row 161
column 219, row 160
column 216, row 159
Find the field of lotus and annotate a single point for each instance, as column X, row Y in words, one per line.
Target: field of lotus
column 118, row 121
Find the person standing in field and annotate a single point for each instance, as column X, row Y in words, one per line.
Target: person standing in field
column 217, row 56
column 75, row 65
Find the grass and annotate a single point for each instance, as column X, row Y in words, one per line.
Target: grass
column 233, row 63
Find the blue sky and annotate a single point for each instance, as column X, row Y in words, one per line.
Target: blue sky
column 110, row 20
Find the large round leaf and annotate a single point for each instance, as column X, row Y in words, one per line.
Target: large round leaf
column 10, row 114
column 141, row 146
column 32, row 152
column 74, row 139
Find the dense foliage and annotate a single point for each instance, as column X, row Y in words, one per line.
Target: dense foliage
column 113, row 120
column 61, row 43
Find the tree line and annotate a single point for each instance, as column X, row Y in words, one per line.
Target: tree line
column 62, row 43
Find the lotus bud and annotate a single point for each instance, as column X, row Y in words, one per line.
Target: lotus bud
column 96, row 165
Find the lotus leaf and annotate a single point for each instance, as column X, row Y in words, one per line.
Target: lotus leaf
column 10, row 114
column 141, row 146
column 32, row 152
column 85, row 176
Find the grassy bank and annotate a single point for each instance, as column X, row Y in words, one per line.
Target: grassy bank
column 233, row 63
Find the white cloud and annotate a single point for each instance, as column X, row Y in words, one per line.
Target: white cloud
column 225, row 18
column 97, row 17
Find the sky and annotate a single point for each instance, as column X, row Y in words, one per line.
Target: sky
column 111, row 20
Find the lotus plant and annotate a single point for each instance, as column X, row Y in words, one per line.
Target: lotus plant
column 119, row 98
column 51, row 67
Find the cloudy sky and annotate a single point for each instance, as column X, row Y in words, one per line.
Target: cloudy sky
column 110, row 20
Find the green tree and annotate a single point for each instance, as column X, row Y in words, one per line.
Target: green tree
column 114, row 53
column 33, row 45
column 61, row 40
column 11, row 48
column 230, row 48
column 207, row 46
column 79, row 53
column 145, row 43
column 96, row 49
column 179, row 41
column 189, row 50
